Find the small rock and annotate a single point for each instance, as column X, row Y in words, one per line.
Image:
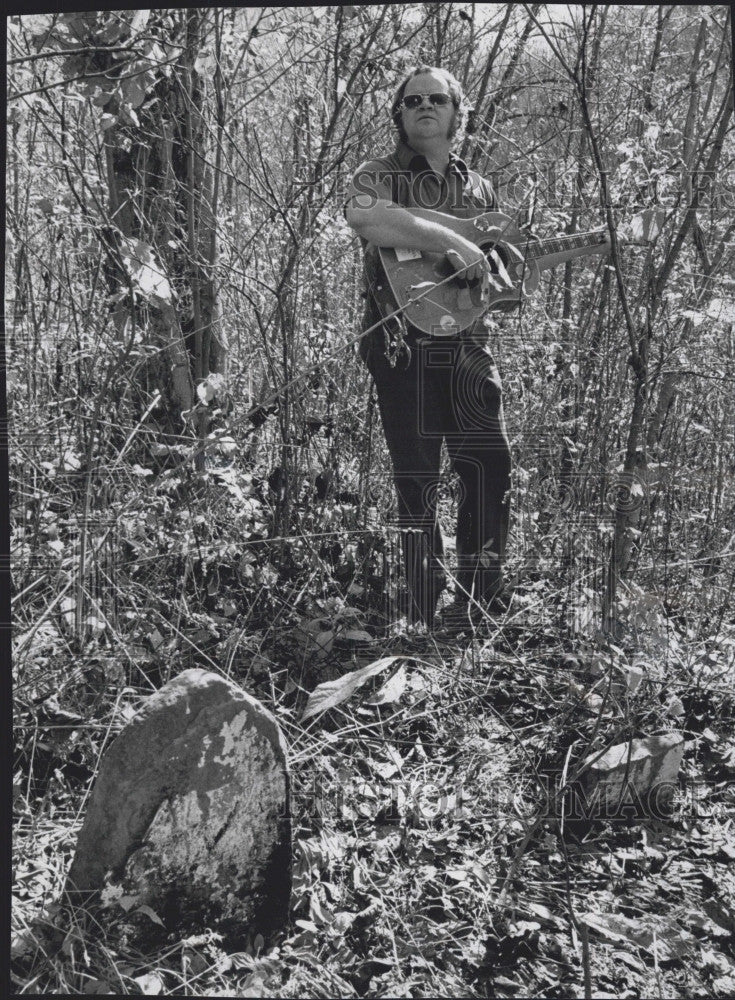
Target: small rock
column 190, row 809
column 643, row 773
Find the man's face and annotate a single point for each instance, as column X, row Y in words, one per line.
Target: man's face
column 427, row 121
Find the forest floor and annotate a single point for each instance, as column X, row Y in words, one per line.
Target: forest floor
column 434, row 853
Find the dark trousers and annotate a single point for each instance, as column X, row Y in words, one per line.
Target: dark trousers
column 448, row 390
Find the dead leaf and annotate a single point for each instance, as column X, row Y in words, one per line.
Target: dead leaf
column 457, row 874
column 22, row 943
column 704, row 923
column 307, row 925
column 97, row 987
column 324, row 641
column 151, row 984
column 658, row 935
column 253, row 987
column 134, row 88
column 355, row 635
column 391, row 691
column 630, row 960
column 543, row 913
column 724, row 986
column 151, row 914
column 343, row 921
column 333, row 693
column 155, row 639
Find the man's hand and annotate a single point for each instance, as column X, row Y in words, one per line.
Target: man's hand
column 464, row 254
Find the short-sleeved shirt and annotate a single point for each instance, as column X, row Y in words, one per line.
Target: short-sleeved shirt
column 406, row 178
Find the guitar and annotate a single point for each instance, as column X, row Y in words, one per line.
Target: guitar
column 421, row 285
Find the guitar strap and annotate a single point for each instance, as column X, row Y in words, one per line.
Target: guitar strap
column 394, row 327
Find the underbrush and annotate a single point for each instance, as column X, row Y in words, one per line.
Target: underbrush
column 435, row 850
column 438, row 844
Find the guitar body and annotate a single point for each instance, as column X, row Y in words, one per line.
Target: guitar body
column 422, row 286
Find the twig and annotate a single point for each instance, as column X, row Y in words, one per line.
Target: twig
column 584, row 930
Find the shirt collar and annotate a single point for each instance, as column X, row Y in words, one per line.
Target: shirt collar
column 409, row 159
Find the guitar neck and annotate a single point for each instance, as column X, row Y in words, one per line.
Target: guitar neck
column 557, row 249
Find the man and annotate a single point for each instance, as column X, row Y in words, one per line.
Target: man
column 435, row 388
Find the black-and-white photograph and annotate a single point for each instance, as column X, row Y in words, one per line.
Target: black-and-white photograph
column 370, row 440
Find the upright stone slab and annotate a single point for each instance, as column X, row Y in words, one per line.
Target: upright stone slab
column 643, row 773
column 191, row 806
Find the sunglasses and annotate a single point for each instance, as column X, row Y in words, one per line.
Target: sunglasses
column 414, row 101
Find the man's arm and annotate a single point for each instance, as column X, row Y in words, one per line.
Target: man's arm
column 386, row 224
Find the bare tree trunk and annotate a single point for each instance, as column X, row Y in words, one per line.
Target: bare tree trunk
column 162, row 192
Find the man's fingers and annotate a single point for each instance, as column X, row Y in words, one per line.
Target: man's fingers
column 491, row 277
column 455, row 260
column 502, row 272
